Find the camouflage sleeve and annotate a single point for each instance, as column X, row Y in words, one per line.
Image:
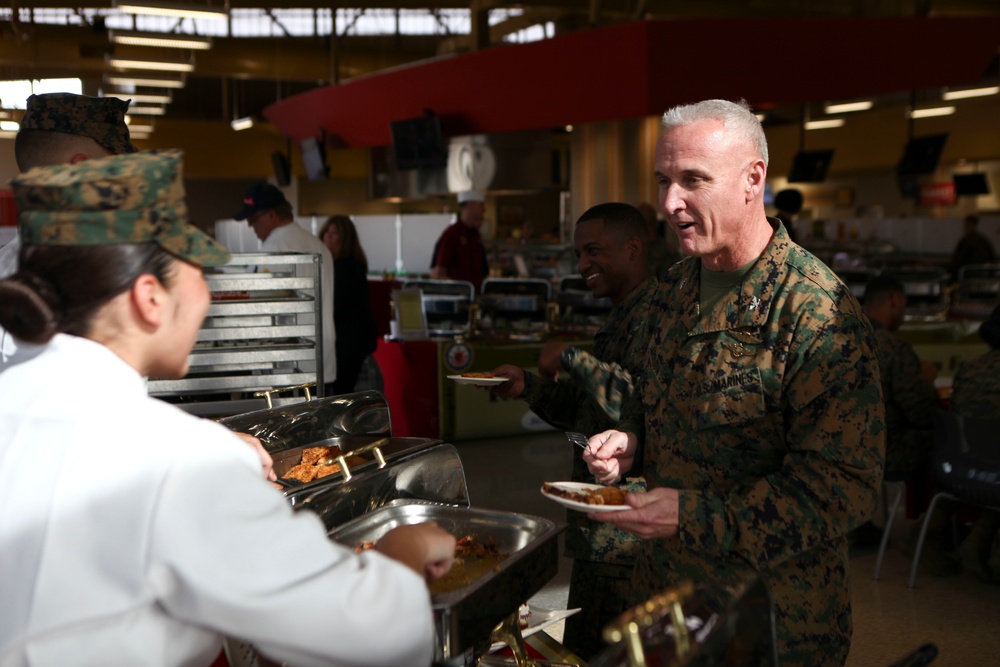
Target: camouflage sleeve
column 558, row 403
column 915, row 398
column 832, row 424
column 607, row 384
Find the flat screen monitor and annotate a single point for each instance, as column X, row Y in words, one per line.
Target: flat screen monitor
column 314, row 159
column 810, row 166
column 971, row 184
column 921, row 155
column 417, row 143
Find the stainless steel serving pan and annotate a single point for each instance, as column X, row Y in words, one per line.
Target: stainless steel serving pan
column 464, row 619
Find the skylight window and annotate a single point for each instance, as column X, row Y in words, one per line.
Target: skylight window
column 14, row 94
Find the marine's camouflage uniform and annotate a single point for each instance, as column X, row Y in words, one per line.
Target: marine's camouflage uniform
column 767, row 415
column 590, row 403
column 128, row 198
column 909, row 403
column 977, row 387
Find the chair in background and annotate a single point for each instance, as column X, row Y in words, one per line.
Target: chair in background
column 899, row 484
column 966, row 467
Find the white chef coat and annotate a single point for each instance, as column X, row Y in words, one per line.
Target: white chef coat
column 293, row 238
column 132, row 533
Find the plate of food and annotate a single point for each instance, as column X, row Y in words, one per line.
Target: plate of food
column 586, row 497
column 481, row 378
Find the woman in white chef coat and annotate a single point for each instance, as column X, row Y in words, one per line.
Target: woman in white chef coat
column 132, row 533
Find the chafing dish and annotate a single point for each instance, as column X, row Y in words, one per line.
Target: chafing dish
column 405, row 480
column 515, row 307
column 308, row 422
column 465, row 618
column 445, row 304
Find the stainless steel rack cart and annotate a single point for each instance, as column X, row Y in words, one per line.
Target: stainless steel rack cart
column 263, row 331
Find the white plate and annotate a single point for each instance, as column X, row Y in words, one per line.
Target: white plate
column 539, row 620
column 582, row 507
column 483, row 382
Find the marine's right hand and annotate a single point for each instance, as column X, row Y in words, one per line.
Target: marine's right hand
column 610, row 454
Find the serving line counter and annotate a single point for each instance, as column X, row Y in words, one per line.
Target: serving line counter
column 381, row 481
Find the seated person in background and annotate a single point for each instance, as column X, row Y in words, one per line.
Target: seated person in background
column 973, row 248
column 977, row 394
column 907, row 383
column 910, row 400
column 609, row 241
column 134, row 533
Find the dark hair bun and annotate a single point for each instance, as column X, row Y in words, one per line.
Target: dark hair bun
column 29, row 307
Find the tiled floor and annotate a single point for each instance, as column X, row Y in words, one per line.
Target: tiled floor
column 959, row 615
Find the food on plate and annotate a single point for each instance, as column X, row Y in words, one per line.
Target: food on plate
column 606, row 495
column 318, row 462
column 473, row 559
column 478, row 374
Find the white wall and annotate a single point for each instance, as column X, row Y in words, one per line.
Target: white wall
column 388, row 251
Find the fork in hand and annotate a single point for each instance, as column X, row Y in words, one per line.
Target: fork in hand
column 578, row 439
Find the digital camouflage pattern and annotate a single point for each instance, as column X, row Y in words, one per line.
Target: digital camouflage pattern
column 130, row 198
column 977, row 387
column 99, row 118
column 766, row 414
column 590, row 402
column 909, row 403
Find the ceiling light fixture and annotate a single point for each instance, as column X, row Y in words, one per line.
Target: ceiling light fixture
column 147, row 111
column 160, row 65
column 140, row 98
column 160, row 39
column 144, row 80
column 824, row 124
column 9, row 125
column 138, row 127
column 244, row 123
column 930, row 113
column 970, row 92
column 846, row 107
column 185, row 10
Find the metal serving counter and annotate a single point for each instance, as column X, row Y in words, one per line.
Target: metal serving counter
column 392, row 481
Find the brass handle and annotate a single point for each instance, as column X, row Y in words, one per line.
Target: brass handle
column 268, row 393
column 508, row 631
column 629, row 627
column 373, row 447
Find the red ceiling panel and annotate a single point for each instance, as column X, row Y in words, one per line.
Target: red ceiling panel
column 639, row 69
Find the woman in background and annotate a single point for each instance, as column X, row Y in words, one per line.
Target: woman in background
column 357, row 336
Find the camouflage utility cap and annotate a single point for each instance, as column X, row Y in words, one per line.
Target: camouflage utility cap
column 99, row 118
column 133, row 198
